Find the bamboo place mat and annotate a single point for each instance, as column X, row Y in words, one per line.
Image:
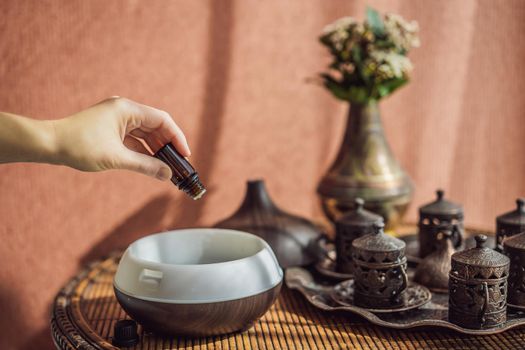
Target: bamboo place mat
column 86, row 309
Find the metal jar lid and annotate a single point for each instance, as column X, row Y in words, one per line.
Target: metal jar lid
column 515, row 243
column 515, row 217
column 441, row 207
column 359, row 216
column 378, row 247
column 479, row 262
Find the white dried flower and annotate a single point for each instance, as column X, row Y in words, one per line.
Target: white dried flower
column 402, row 33
column 344, row 32
column 338, row 38
column 347, row 68
column 368, row 54
column 384, row 72
column 341, row 24
column 390, row 64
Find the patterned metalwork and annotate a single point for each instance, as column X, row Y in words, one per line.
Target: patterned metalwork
column 433, row 314
column 366, row 168
column 478, row 287
column 355, row 224
column 510, row 224
column 515, row 249
column 327, row 267
column 415, row 296
column 433, row 217
column 380, row 270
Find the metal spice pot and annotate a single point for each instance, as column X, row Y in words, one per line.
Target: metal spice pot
column 433, row 271
column 515, row 249
column 510, row 223
column 355, row 224
column 380, row 270
column 478, row 287
column 434, row 215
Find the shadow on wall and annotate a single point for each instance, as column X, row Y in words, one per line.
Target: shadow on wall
column 155, row 215
column 148, row 219
column 19, row 331
column 10, row 304
column 218, row 63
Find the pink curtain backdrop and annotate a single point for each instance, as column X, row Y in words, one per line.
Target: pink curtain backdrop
column 233, row 75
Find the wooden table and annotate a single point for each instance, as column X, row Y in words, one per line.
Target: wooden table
column 85, row 311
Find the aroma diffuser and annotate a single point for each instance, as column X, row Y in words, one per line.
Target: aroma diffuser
column 198, row 282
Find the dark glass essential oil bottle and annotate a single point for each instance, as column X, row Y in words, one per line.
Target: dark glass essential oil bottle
column 184, row 175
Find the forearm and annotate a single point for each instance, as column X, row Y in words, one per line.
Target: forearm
column 26, row 140
column 108, row 135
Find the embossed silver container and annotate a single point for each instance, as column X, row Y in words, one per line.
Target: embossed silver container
column 515, row 249
column 510, row 224
column 432, row 217
column 478, row 287
column 355, row 224
column 380, row 270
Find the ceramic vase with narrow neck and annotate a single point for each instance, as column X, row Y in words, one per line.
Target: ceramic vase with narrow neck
column 366, row 168
column 293, row 239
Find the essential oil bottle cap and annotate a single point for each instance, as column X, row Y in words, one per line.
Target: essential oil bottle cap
column 125, row 334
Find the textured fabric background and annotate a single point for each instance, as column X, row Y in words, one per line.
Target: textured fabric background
column 233, row 75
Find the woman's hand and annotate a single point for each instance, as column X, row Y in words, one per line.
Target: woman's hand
column 108, row 135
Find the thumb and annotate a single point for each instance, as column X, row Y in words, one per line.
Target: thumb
column 144, row 164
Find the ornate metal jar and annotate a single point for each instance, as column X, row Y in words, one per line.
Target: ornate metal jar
column 510, row 223
column 380, row 270
column 435, row 215
column 515, row 249
column 478, row 287
column 355, row 224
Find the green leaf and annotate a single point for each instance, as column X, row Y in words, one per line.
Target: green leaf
column 343, row 55
column 325, row 40
column 334, row 65
column 358, row 94
column 335, row 87
column 387, row 87
column 384, row 44
column 357, row 55
column 375, row 22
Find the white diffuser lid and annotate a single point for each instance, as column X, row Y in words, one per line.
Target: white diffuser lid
column 197, row 266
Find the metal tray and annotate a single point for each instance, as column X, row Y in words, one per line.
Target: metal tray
column 432, row 314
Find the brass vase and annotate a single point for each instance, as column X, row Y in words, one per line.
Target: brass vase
column 365, row 168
